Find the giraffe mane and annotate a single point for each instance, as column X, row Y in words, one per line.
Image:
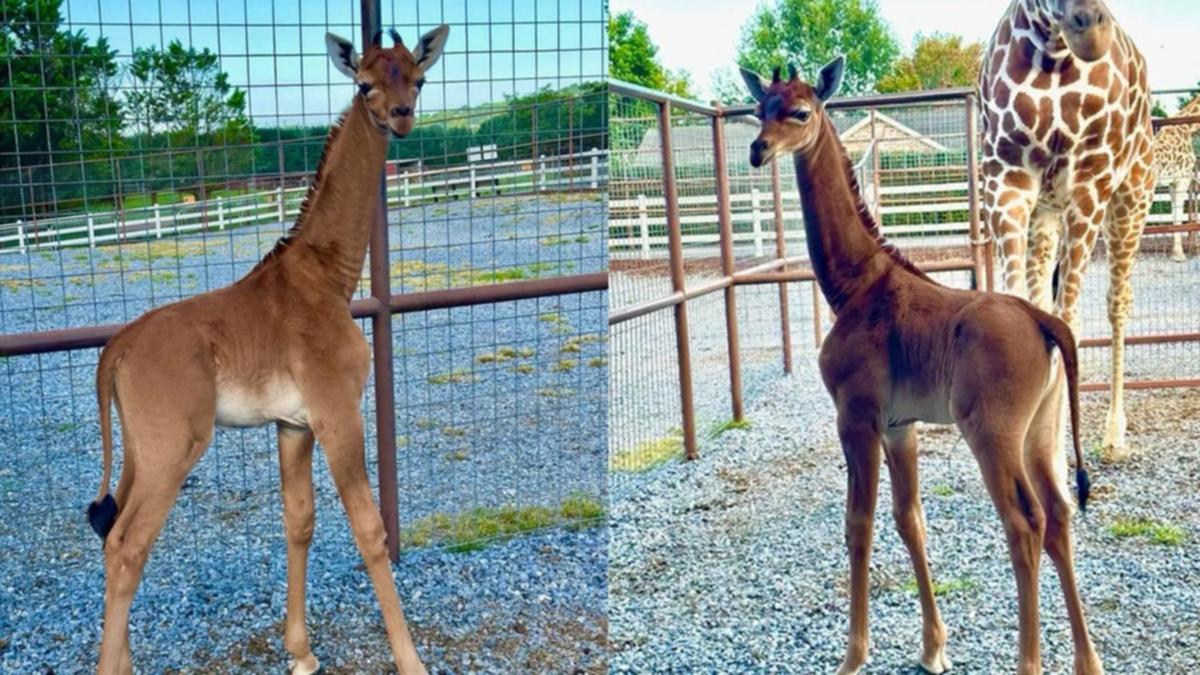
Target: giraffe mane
column 864, row 214
column 294, row 231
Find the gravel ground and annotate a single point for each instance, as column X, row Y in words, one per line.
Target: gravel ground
column 470, row 433
column 736, row 562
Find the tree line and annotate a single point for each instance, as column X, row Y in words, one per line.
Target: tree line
column 82, row 131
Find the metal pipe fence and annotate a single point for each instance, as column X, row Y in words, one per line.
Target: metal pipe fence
column 688, row 219
column 484, row 294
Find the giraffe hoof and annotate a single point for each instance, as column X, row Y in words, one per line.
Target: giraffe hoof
column 940, row 663
column 1179, row 258
column 305, row 666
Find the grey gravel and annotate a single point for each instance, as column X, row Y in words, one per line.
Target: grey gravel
column 736, row 562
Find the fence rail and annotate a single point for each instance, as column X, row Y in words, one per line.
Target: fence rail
column 404, row 188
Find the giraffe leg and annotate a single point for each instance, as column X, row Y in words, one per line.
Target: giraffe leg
column 859, row 434
column 1047, row 469
column 1007, row 210
column 1178, row 197
column 1045, row 232
column 1126, row 220
column 295, row 474
column 901, row 452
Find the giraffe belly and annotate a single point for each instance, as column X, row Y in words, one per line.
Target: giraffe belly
column 279, row 400
column 908, row 407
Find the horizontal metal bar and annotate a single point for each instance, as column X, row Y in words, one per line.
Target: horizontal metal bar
column 1171, row 229
column 751, row 279
column 90, row 337
column 622, row 88
column 643, row 308
column 1142, row 384
column 876, row 100
column 1160, row 122
column 1160, row 339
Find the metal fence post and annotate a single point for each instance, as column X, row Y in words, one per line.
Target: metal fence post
column 279, row 199
column 21, row 236
column 644, row 223
column 725, row 219
column 404, row 189
column 785, row 319
column 91, row 223
column 541, row 172
column 756, row 222
column 381, row 339
column 157, row 222
column 595, row 152
column 220, row 213
column 983, row 271
column 678, row 283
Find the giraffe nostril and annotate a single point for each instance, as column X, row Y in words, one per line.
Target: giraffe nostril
column 1081, row 21
column 401, row 111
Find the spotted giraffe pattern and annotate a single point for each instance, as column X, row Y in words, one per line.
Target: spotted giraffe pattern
column 1066, row 151
column 1175, row 165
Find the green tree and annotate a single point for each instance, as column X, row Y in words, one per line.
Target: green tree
column 60, row 118
column 183, row 105
column 809, row 33
column 938, row 61
column 183, row 90
column 633, row 57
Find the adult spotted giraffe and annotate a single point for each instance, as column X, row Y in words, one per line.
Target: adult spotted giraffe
column 1175, row 165
column 1067, row 151
column 277, row 346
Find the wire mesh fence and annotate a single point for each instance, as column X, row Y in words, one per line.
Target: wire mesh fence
column 911, row 158
column 153, row 152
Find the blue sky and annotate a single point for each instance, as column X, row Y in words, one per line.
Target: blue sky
column 1165, row 30
column 275, row 48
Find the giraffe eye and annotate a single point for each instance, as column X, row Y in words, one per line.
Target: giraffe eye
column 364, row 88
column 420, row 83
column 801, row 115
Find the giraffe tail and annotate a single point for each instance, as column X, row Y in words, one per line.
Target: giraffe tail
column 1059, row 333
column 102, row 512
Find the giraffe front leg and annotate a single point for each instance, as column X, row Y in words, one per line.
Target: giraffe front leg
column 1178, row 197
column 1008, row 202
column 1126, row 220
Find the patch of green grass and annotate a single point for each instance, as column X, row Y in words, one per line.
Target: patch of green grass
column 422, row 276
column 728, row 426
column 459, row 455
column 63, row 427
column 577, row 343
column 941, row 588
column 552, row 318
column 648, row 455
column 474, row 529
column 454, row 432
column 499, row 356
column 556, row 392
column 456, row 376
column 401, row 441
column 1157, row 532
column 425, row 423
column 523, row 368
column 943, row 490
column 564, row 366
column 597, row 362
column 526, row 352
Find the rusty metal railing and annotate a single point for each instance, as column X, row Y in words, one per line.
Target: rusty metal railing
column 784, row 269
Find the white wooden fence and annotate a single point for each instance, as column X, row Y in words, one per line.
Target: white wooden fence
column 637, row 225
column 406, row 188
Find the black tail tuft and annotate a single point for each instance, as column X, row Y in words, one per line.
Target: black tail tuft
column 102, row 515
column 1084, row 485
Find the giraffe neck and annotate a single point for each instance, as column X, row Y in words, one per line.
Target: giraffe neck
column 844, row 243
column 335, row 219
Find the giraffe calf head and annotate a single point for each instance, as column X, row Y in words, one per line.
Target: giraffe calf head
column 389, row 79
column 790, row 111
column 1085, row 25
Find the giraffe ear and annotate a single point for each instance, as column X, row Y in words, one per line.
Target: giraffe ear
column 830, row 79
column 341, row 52
column 430, row 46
column 755, row 83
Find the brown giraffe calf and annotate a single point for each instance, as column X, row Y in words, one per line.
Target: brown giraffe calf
column 906, row 349
column 277, row 346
